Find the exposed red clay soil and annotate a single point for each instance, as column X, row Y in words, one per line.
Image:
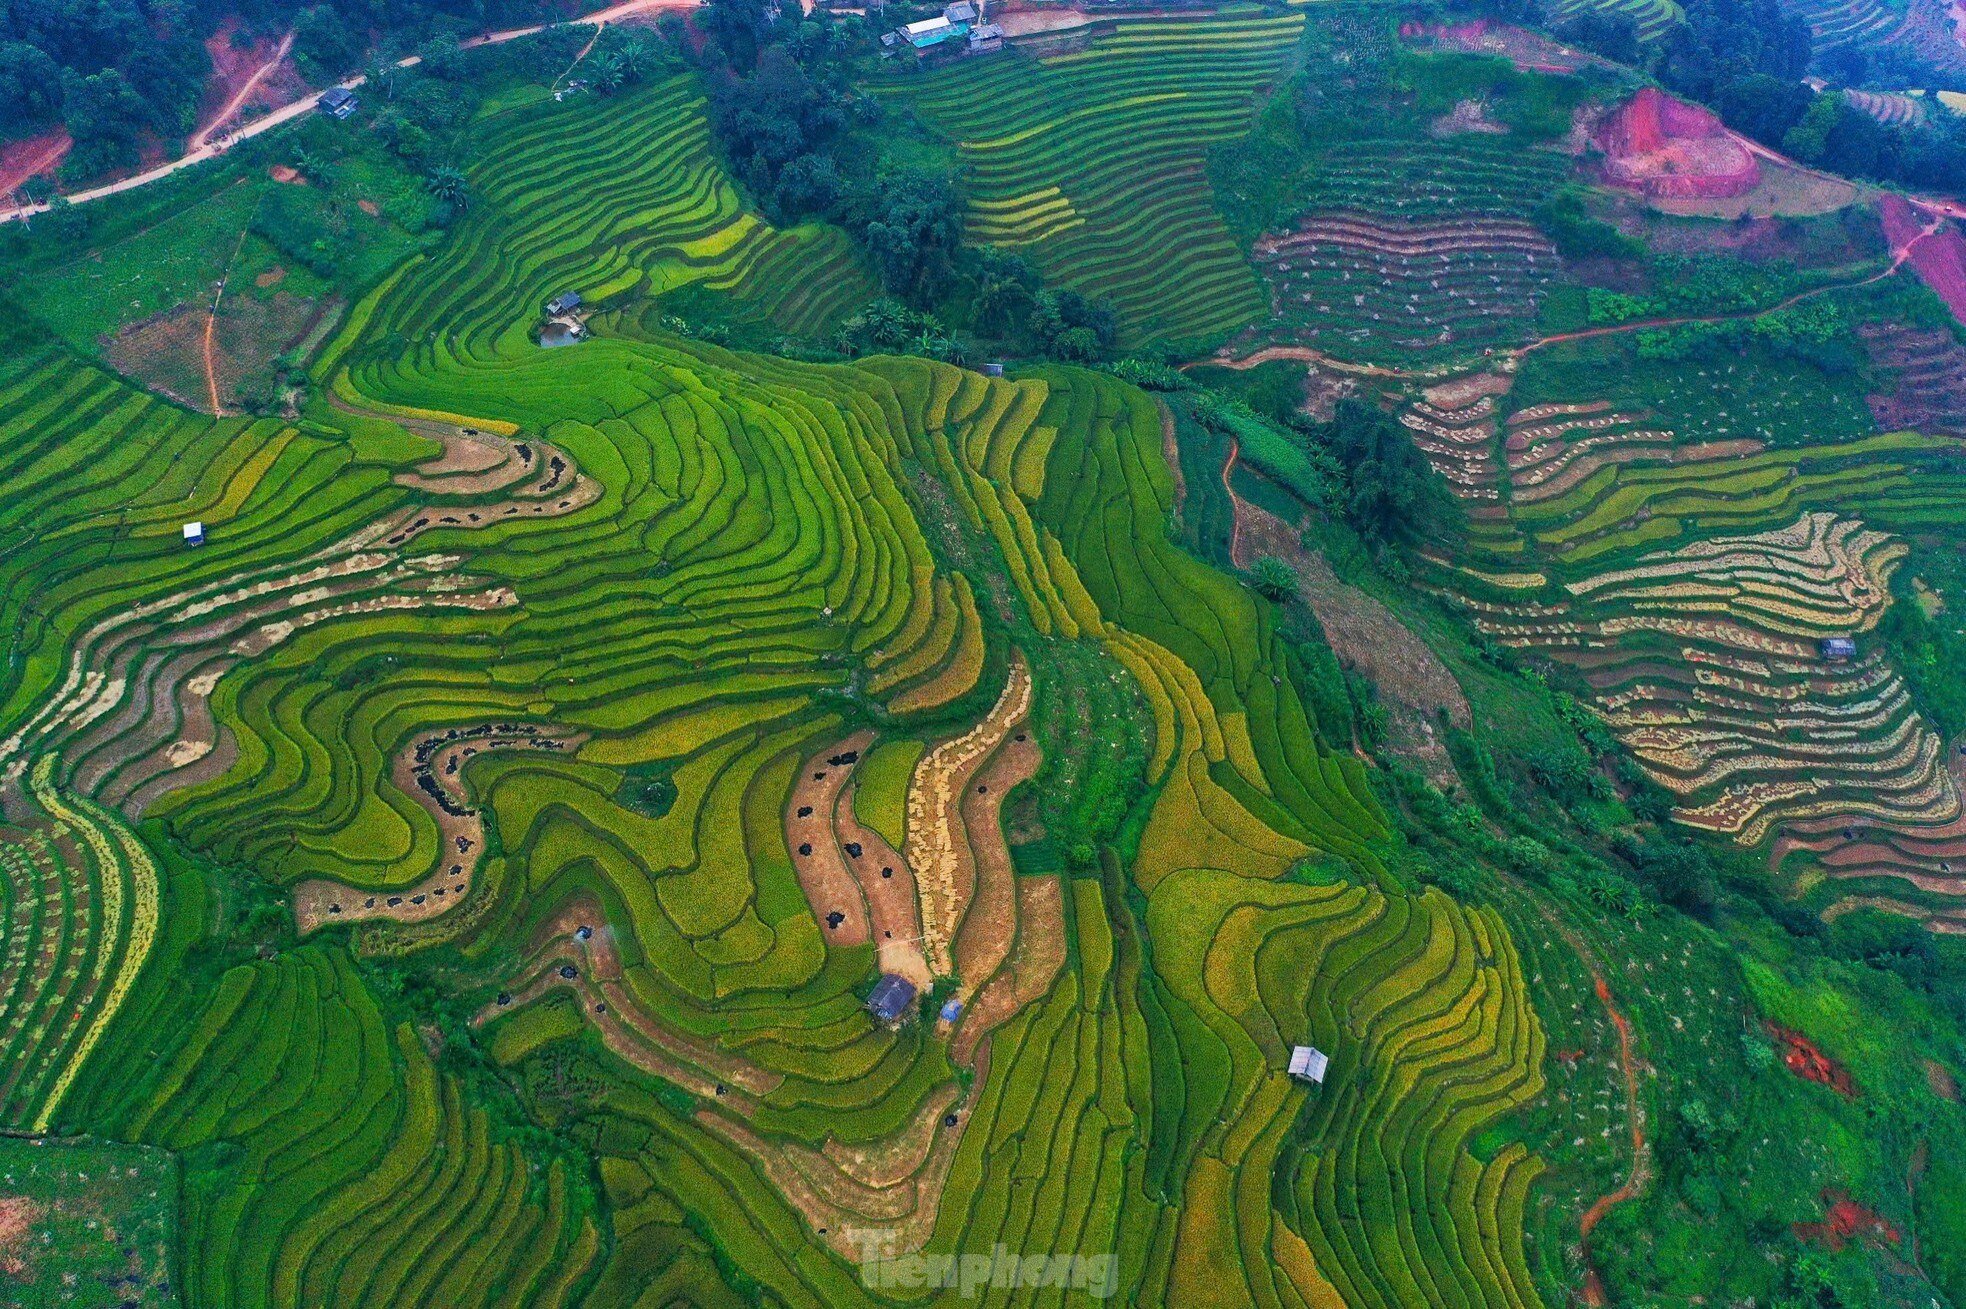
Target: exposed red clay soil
column 1939, row 259
column 271, row 277
column 1803, row 1059
column 1666, row 148
column 369, row 207
column 283, row 173
column 1940, row 1079
column 1525, row 50
column 32, row 156
column 17, row 1217
column 1641, row 1173
column 1843, row 1219
column 243, row 76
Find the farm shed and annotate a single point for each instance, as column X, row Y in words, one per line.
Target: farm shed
column 339, row 102
column 931, row 32
column 985, row 37
column 891, row 997
column 1307, row 1063
column 960, row 12
column 1837, row 649
column 194, row 534
column 564, row 302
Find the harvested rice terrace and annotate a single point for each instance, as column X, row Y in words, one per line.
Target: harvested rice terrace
column 1892, row 108
column 1401, row 181
column 1090, row 163
column 1356, row 286
column 1836, row 24
column 1927, row 372
column 1693, row 584
column 1653, row 18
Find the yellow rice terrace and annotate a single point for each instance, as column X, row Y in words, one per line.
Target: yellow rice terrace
column 1020, row 652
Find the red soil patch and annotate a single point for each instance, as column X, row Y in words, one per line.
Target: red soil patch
column 17, row 1215
column 1803, row 1059
column 271, row 277
column 32, row 156
column 1525, row 50
column 369, row 207
column 1669, row 149
column 1844, row 1219
column 242, row 77
column 1939, row 259
column 282, row 173
column 1940, row 1079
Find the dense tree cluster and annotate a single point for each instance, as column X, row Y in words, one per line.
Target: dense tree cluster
column 112, row 71
column 784, row 107
column 1392, row 492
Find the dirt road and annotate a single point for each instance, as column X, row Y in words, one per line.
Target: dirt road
column 211, row 149
column 204, row 134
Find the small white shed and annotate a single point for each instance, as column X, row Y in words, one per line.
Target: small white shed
column 194, row 534
column 1307, row 1063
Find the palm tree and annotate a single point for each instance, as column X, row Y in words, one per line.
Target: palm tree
column 608, row 73
column 635, row 54
column 448, row 185
column 379, row 80
column 1273, row 579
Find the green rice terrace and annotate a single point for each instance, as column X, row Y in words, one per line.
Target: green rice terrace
column 1196, row 658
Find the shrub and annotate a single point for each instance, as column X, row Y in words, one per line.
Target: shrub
column 1273, row 579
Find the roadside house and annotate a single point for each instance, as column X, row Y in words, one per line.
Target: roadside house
column 338, row 102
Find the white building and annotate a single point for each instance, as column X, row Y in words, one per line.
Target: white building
column 1307, row 1063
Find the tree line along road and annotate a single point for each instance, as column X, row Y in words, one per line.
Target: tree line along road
column 212, row 149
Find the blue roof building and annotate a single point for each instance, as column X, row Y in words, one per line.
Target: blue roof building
column 932, row 32
column 891, row 997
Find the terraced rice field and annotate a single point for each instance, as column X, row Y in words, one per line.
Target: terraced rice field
column 1090, row 162
column 1892, row 108
column 620, row 201
column 1927, row 372
column 1653, row 18
column 1356, row 285
column 1410, row 251
column 630, row 688
column 1465, row 177
column 1837, row 24
column 1689, row 583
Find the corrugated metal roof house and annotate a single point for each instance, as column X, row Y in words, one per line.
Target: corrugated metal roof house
column 1307, row 1063
column 891, row 997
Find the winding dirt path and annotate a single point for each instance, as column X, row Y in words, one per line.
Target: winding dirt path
column 1303, row 354
column 211, row 322
column 1235, row 505
column 1641, row 1173
column 237, row 102
column 1898, row 258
